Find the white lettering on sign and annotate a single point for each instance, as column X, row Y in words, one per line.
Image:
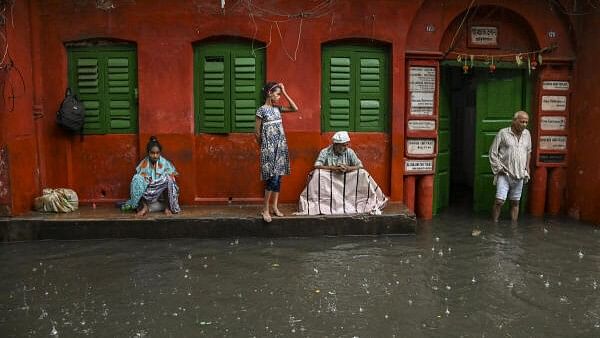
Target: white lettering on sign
column 555, row 85
column 418, row 165
column 422, row 79
column 420, row 146
column 553, row 122
column 483, row 35
column 554, row 103
column 421, row 103
column 553, row 142
column 421, row 125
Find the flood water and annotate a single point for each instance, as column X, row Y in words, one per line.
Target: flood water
column 540, row 278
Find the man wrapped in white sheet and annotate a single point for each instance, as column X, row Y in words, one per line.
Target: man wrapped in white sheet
column 340, row 185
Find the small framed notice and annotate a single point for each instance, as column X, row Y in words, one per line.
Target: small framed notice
column 421, row 103
column 483, row 37
column 419, row 125
column 554, row 103
column 420, row 146
column 553, row 142
column 555, row 85
column 412, row 166
column 553, row 123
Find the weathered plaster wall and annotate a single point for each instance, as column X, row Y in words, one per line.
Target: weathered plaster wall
column 583, row 182
column 215, row 168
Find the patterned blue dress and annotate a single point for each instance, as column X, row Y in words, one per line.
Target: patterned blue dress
column 274, row 156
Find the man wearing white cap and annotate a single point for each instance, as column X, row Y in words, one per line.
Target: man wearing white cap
column 338, row 157
column 339, row 185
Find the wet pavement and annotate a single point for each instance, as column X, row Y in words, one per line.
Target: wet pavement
column 459, row 276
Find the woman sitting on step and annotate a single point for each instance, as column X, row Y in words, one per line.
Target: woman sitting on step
column 153, row 186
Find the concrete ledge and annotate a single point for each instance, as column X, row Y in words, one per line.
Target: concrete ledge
column 200, row 222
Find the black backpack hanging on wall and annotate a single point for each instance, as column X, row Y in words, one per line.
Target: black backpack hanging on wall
column 71, row 114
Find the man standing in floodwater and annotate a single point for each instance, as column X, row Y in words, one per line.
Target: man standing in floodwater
column 509, row 157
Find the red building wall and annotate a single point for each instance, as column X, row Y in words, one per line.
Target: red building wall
column 215, row 168
column 583, row 180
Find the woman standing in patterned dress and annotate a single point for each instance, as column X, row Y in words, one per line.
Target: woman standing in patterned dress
column 274, row 157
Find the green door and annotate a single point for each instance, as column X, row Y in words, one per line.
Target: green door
column 499, row 96
column 441, row 183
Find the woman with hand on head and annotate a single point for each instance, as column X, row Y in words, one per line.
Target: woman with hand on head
column 274, row 157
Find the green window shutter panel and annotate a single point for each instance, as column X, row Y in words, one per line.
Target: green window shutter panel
column 105, row 79
column 246, row 81
column 121, row 82
column 337, row 90
column 214, row 92
column 372, row 91
column 85, row 81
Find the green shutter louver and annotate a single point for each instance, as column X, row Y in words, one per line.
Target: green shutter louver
column 228, row 81
column 355, row 89
column 246, row 82
column 214, row 94
column 105, row 79
column 372, row 93
column 86, row 83
column 121, row 96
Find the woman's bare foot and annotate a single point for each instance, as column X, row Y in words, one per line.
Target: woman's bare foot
column 168, row 212
column 277, row 213
column 266, row 216
column 143, row 211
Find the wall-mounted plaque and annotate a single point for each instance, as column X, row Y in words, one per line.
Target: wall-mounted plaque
column 552, row 158
column 422, row 79
column 421, row 103
column 553, row 122
column 483, row 36
column 554, row 103
column 420, row 146
column 418, row 165
column 418, row 125
column 555, row 85
column 553, row 142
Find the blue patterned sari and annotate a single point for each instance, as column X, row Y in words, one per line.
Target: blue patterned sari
column 153, row 180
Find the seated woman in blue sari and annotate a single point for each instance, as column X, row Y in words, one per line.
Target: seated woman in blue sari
column 154, row 181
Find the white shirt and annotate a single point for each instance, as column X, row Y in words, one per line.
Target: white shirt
column 509, row 153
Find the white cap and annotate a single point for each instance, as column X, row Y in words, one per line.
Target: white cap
column 341, row 137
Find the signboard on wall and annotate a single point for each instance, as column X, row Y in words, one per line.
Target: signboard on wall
column 555, row 85
column 483, row 36
column 553, row 142
column 416, row 125
column 421, row 103
column 551, row 123
column 420, row 146
column 422, row 79
column 418, row 166
column 554, row 103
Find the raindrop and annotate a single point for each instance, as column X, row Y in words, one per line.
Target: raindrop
column 595, row 285
column 189, row 256
column 53, row 332
column 580, row 254
column 386, row 316
column 410, row 302
column 448, row 287
column 547, row 284
column 205, row 266
column 473, row 280
column 576, row 279
column 437, row 239
column 449, row 249
column 545, row 231
column 441, row 253
column 419, row 255
column 447, row 311
column 360, row 309
column 316, row 270
column 564, row 299
column 510, row 285
column 433, row 248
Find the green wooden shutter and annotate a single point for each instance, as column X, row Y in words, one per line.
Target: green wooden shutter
column 121, row 89
column 372, row 90
column 337, row 93
column 105, row 79
column 355, row 88
column 214, row 91
column 84, row 76
column 246, row 81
